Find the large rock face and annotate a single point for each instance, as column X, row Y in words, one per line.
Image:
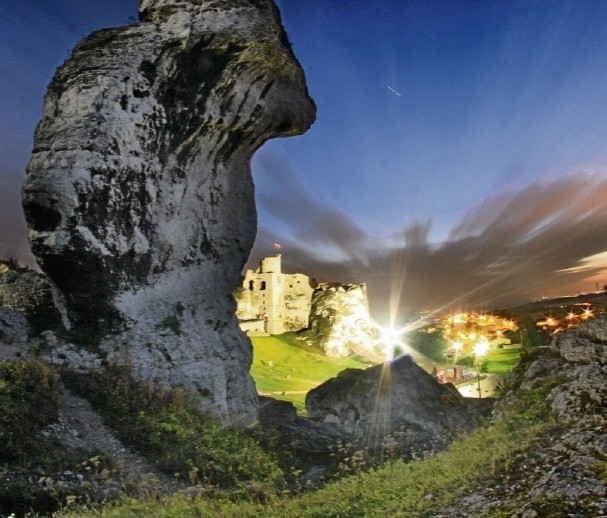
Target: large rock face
column 397, row 399
column 139, row 195
column 340, row 320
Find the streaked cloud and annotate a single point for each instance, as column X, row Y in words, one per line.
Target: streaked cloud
column 543, row 239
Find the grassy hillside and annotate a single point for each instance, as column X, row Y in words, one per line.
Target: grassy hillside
column 284, row 369
column 420, row 488
column 502, row 361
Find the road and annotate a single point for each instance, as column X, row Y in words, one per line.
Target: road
column 488, row 384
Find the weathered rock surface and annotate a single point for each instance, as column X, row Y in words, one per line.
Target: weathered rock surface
column 564, row 473
column 14, row 334
column 394, row 399
column 576, row 362
column 139, row 195
column 309, row 436
column 340, row 322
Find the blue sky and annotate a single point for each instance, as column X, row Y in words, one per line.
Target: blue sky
column 437, row 122
column 493, row 95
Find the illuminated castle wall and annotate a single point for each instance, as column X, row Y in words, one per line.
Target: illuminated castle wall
column 273, row 302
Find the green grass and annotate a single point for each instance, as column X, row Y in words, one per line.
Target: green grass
column 164, row 427
column 420, row 488
column 287, row 368
column 281, row 363
column 502, row 361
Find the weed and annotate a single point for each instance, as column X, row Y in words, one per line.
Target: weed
column 29, row 399
column 164, row 427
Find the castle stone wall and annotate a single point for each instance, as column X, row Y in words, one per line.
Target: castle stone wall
column 282, row 301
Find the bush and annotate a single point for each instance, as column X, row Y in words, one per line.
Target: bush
column 433, row 345
column 531, row 336
column 163, row 426
column 29, row 293
column 29, row 400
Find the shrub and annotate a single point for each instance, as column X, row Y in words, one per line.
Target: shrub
column 163, row 426
column 531, row 336
column 433, row 345
column 29, row 400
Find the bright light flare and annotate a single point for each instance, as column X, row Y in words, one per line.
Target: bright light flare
column 588, row 313
column 481, row 347
column 391, row 338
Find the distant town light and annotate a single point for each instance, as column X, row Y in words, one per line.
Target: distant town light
column 588, row 313
column 481, row 347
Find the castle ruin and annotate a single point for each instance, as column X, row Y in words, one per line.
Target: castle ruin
column 272, row 302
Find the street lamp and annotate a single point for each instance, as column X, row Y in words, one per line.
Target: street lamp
column 480, row 349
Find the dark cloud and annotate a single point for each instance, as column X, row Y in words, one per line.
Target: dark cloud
column 310, row 222
column 513, row 247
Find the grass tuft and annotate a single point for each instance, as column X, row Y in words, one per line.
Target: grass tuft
column 164, row 427
column 29, row 400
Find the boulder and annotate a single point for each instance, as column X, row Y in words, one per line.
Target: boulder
column 396, row 400
column 139, row 196
column 308, row 437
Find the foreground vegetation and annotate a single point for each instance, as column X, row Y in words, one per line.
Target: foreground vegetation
column 418, row 488
column 28, row 401
column 235, row 474
column 163, row 427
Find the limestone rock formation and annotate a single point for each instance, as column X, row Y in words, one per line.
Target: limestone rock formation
column 139, row 195
column 575, row 362
column 340, row 321
column 397, row 399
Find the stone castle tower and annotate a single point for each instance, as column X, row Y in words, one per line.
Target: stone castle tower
column 273, row 302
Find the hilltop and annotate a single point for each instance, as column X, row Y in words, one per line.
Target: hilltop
column 286, row 368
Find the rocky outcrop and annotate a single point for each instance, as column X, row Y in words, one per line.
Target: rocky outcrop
column 564, row 472
column 576, row 364
column 397, row 399
column 340, row 322
column 139, row 195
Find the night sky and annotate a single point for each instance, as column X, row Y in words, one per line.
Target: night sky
column 459, row 157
